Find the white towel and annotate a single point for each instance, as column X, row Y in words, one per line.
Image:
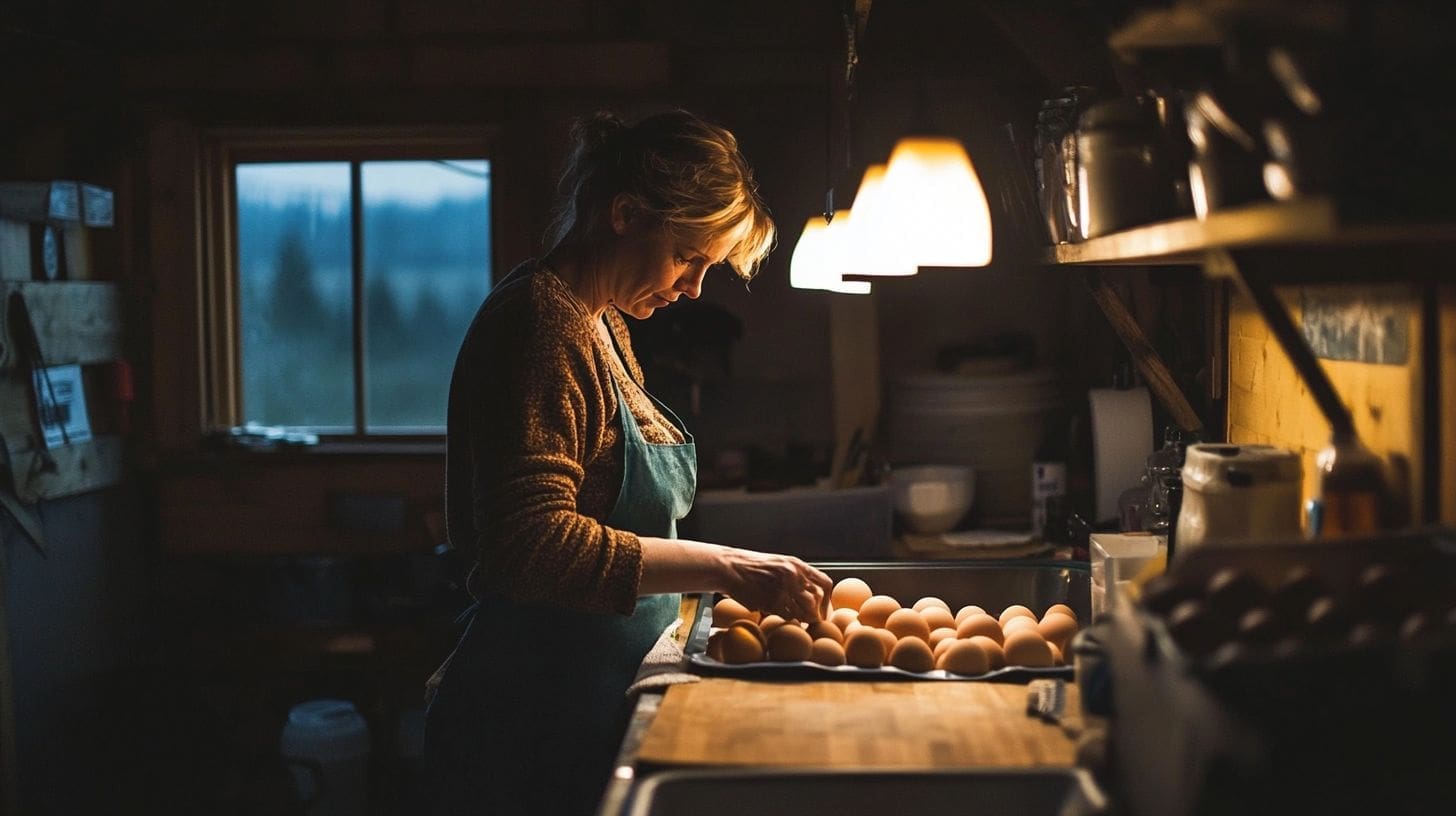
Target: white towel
column 665, row 665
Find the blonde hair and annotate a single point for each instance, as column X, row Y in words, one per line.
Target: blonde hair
column 685, row 173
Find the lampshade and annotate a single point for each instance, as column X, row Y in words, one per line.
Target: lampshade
column 819, row 257
column 876, row 240
column 935, row 204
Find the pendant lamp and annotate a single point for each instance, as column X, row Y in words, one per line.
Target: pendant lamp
column 876, row 234
column 933, row 206
column 819, row 258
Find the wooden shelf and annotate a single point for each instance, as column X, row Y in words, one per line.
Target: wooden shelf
column 1302, row 222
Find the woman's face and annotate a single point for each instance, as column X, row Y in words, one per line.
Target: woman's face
column 656, row 268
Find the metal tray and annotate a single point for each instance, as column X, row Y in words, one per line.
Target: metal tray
column 794, row 792
column 993, row 585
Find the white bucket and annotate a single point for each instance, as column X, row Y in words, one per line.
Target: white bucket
column 326, row 745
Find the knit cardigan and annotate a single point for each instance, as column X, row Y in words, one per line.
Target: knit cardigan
column 534, row 448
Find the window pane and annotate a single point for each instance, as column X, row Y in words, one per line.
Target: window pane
column 426, row 269
column 294, row 292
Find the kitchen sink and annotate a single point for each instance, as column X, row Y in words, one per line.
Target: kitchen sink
column 847, row 792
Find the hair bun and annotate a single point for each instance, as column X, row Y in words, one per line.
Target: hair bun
column 592, row 132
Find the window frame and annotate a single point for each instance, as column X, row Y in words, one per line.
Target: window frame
column 223, row 149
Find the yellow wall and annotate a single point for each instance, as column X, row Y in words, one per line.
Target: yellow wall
column 1269, row 404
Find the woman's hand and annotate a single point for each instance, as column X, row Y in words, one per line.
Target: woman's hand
column 775, row 584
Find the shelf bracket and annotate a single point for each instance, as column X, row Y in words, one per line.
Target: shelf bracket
column 1256, row 282
column 1144, row 356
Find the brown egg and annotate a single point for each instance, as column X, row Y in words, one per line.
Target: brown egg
column 740, row 646
column 994, row 653
column 1013, row 611
column 908, row 623
column 929, row 601
column 825, row 629
column 912, row 654
column 877, row 610
column 770, row 623
column 726, row 611
column 937, row 618
column 850, row 593
column 1062, row 608
column 1058, row 659
column 981, row 624
column 752, row 629
column 968, row 610
column 1027, row 648
column 939, row 648
column 826, row 652
column 864, row 648
column 853, row 625
column 939, row 635
column 887, row 638
column 1057, row 628
column 789, row 644
column 1017, row 623
column 843, row 617
column 964, row 657
column 715, row 646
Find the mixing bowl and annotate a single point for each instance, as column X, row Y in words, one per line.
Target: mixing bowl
column 932, row 498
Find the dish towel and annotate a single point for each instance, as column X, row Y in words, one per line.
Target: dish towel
column 665, row 665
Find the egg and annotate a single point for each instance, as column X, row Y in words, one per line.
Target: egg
column 980, row 624
column 770, row 622
column 864, row 648
column 1231, row 592
column 939, row 635
column 1013, row 611
column 912, row 654
column 937, row 618
column 940, row 646
column 825, row 629
column 1262, row 626
column 967, row 611
column 715, row 645
column 843, row 617
column 877, row 609
column 752, row 628
column 1027, row 647
column 850, row 593
column 826, row 652
column 964, row 657
column 1062, row 608
column 1017, row 623
column 994, row 653
column 928, row 601
column 789, row 644
column 1058, row 658
column 740, row 645
column 853, row 625
column 1057, row 628
column 1195, row 630
column 908, row 623
column 726, row 611
column 887, row 638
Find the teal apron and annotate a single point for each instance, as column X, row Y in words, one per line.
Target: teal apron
column 532, row 707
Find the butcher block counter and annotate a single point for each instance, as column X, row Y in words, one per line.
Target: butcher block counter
column 838, row 724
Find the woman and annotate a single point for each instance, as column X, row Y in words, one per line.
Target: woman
column 567, row 478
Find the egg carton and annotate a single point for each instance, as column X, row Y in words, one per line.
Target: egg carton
column 1308, row 723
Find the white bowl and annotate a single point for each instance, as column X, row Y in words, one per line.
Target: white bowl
column 932, row 498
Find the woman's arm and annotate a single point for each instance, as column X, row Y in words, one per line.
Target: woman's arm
column 767, row 582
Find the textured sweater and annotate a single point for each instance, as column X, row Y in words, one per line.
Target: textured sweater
column 534, row 448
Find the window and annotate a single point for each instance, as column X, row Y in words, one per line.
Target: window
column 354, row 274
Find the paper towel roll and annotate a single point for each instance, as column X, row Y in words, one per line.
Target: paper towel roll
column 1122, row 438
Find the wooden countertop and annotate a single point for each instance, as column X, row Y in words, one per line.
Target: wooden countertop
column 853, row 724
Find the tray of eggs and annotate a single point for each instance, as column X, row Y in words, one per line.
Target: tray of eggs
column 874, row 636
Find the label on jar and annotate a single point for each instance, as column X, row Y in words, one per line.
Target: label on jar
column 1048, row 484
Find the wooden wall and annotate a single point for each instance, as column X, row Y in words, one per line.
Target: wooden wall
column 1269, row 404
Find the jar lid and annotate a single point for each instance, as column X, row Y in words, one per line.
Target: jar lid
column 1114, row 113
column 1210, row 466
